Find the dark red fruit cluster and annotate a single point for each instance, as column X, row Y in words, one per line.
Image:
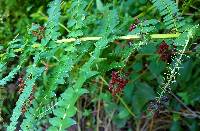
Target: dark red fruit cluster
column 133, row 26
column 31, row 97
column 29, row 102
column 20, row 83
column 164, row 52
column 23, row 109
column 117, row 83
column 39, row 33
column 163, row 47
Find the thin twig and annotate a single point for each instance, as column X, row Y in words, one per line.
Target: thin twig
column 126, row 106
column 138, row 122
column 145, row 125
column 112, row 114
column 78, row 116
column 187, row 115
column 162, row 127
column 99, row 105
column 151, row 124
column 144, row 12
column 182, row 103
column 89, row 5
column 109, row 121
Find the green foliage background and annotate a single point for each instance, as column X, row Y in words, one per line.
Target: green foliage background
column 59, row 98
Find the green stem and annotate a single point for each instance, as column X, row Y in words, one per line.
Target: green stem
column 60, row 24
column 64, row 27
column 186, row 5
column 89, row 5
column 143, row 13
column 127, row 37
column 125, row 105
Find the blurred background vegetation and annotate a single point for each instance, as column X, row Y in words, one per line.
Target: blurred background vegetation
column 111, row 112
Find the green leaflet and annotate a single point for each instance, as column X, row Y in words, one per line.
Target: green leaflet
column 60, row 124
column 10, row 76
column 60, row 111
column 145, row 27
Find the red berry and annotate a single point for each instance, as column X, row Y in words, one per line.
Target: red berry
column 20, row 79
column 132, row 27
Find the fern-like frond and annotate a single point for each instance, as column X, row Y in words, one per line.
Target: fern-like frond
column 52, row 25
column 145, row 27
column 32, row 75
column 78, row 17
column 170, row 13
column 10, row 76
